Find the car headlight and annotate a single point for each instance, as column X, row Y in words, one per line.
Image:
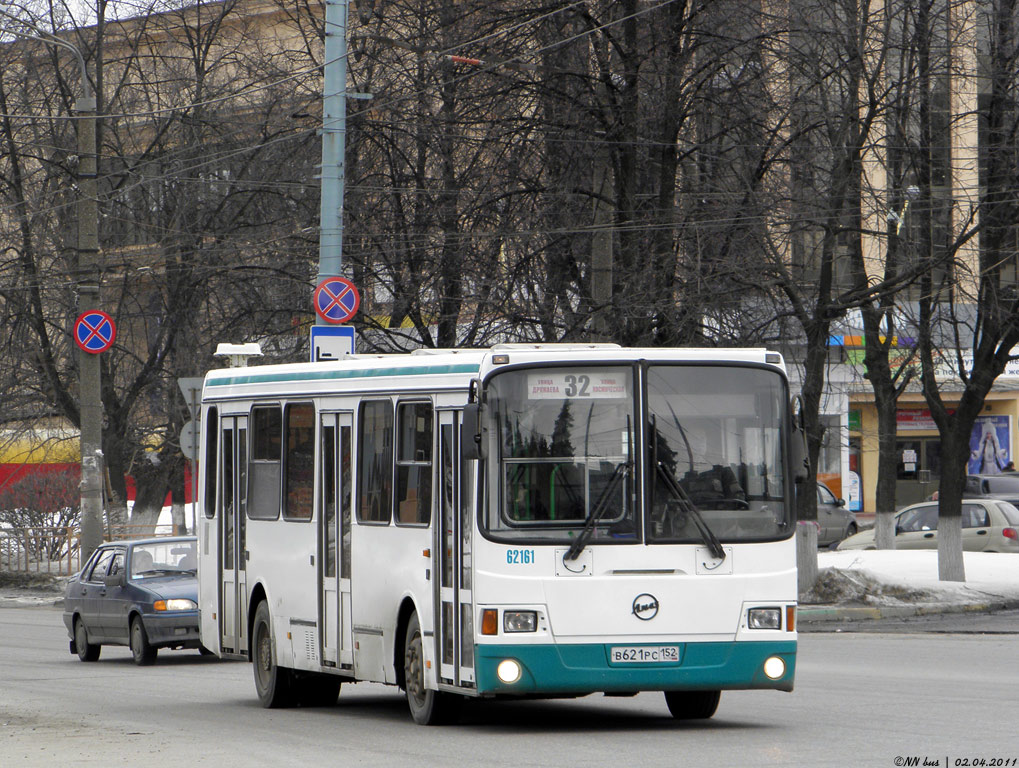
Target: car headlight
column 176, row 604
column 520, row 621
column 764, row 618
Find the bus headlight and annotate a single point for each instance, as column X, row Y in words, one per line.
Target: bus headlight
column 764, row 618
column 508, row 671
column 520, row 621
column 774, row 667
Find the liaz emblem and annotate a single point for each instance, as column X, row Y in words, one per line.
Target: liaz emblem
column 645, row 607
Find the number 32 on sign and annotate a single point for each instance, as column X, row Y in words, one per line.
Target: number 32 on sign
column 580, row 384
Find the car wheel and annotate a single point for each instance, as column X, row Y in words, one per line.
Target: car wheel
column 86, row 651
column 272, row 683
column 692, row 705
column 427, row 707
column 144, row 654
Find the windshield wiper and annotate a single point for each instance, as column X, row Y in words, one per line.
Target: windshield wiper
column 622, row 468
column 690, row 508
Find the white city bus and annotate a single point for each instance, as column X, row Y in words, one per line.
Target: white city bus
column 526, row 520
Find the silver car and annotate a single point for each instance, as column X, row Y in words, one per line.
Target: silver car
column 988, row 525
column 835, row 521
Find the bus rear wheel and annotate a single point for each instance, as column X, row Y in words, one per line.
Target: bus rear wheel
column 427, row 707
column 272, row 682
column 692, row 705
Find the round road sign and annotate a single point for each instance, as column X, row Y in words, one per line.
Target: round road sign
column 94, row 331
column 336, row 300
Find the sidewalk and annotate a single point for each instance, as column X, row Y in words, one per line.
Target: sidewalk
column 818, row 616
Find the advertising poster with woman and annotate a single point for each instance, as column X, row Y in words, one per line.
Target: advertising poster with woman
column 990, row 445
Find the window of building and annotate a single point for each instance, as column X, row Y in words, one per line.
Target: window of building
column 375, row 462
column 414, row 463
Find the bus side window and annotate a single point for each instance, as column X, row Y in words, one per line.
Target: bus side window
column 375, row 462
column 211, row 461
column 414, row 463
column 299, row 461
column 265, row 459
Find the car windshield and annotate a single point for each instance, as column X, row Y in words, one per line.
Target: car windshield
column 161, row 558
column 566, row 445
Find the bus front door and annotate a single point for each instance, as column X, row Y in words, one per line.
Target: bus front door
column 335, row 489
column 452, row 559
column 233, row 614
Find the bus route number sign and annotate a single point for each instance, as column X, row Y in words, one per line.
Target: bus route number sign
column 579, row 385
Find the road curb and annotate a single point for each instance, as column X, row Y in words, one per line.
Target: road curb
column 824, row 614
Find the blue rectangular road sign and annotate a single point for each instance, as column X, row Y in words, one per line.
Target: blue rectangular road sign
column 331, row 342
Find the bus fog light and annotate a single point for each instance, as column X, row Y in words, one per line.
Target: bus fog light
column 764, row 618
column 774, row 667
column 508, row 671
column 520, row 621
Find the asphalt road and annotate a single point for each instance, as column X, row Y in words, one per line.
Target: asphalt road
column 862, row 699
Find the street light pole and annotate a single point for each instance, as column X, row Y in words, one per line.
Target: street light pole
column 90, row 405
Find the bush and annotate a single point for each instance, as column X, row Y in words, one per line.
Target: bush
column 44, row 498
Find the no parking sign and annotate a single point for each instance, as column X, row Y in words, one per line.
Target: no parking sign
column 94, row 331
column 336, row 300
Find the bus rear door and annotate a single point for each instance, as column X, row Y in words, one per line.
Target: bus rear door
column 334, row 616
column 233, row 618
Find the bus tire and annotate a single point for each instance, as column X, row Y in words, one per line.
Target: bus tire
column 272, row 682
column 692, row 705
column 427, row 707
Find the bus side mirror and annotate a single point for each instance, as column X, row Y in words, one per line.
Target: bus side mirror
column 472, row 443
column 801, row 468
column 801, row 465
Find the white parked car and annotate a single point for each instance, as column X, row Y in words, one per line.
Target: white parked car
column 988, row 525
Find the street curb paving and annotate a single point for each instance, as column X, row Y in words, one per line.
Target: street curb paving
column 825, row 614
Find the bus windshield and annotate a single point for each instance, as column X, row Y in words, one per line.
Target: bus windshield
column 716, row 444
column 565, row 454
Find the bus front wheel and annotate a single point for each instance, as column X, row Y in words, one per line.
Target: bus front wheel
column 272, row 683
column 427, row 707
column 692, row 705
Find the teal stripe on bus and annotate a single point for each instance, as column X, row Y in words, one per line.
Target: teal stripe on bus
column 370, row 373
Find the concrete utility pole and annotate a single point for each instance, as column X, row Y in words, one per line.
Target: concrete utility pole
column 334, row 141
column 90, row 404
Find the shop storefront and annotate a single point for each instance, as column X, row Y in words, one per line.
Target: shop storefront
column 918, row 444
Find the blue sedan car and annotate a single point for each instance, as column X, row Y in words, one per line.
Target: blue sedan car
column 142, row 594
